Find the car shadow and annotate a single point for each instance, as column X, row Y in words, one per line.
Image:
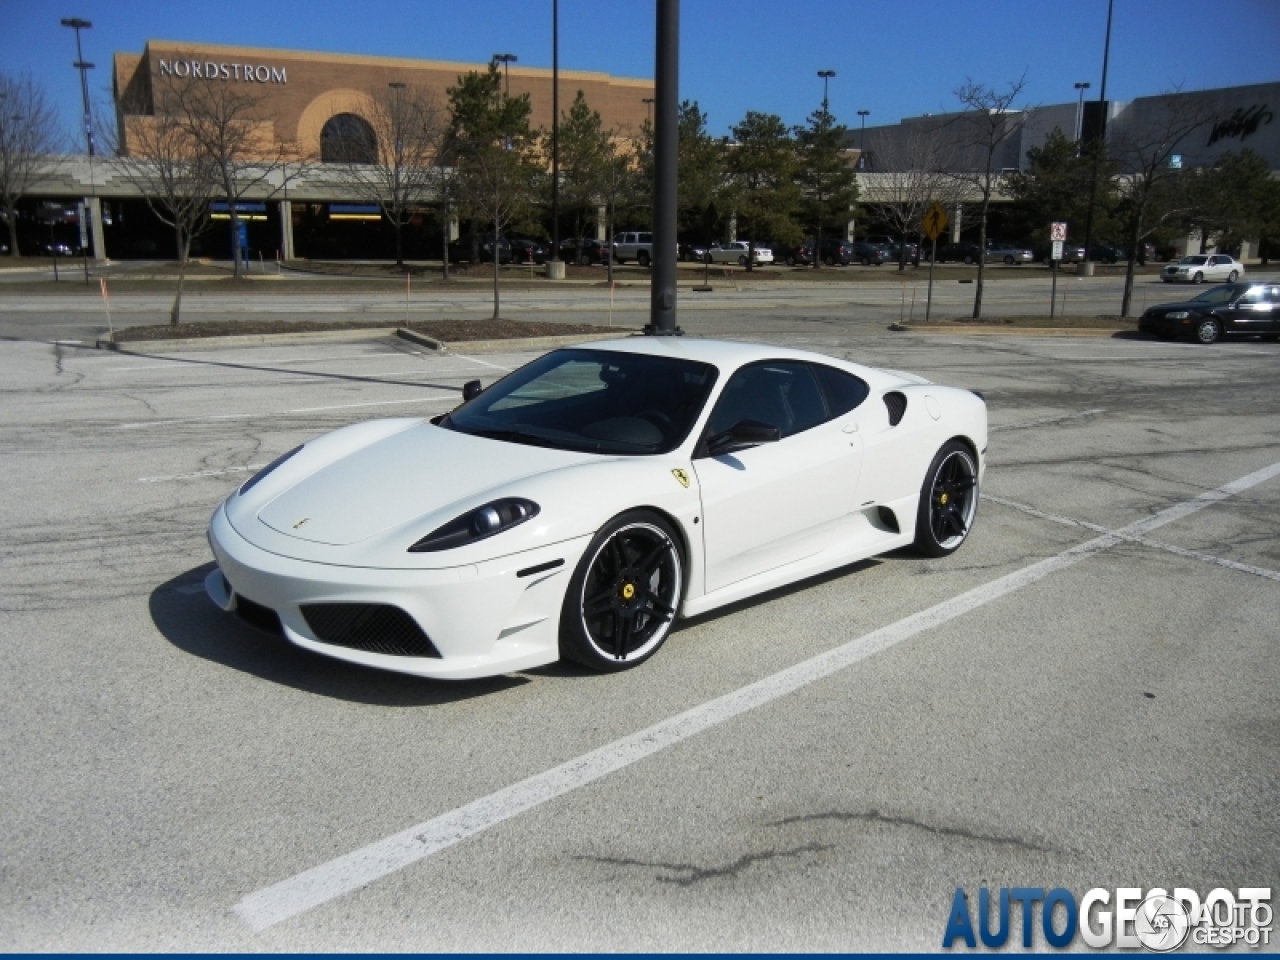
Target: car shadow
column 189, row 620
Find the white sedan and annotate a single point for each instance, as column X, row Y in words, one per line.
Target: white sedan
column 1214, row 268
column 737, row 252
column 580, row 505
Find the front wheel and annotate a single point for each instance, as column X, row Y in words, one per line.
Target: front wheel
column 791, row 261
column 622, row 599
column 1198, row 278
column 1209, row 331
column 948, row 501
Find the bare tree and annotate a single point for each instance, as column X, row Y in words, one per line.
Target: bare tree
column 226, row 128
column 620, row 186
column 1152, row 190
column 916, row 177
column 988, row 121
column 172, row 174
column 391, row 156
column 28, row 134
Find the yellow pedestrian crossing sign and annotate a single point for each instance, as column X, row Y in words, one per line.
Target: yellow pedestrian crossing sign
column 935, row 221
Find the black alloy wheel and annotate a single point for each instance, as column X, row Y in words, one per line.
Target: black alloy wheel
column 622, row 600
column 948, row 501
column 1208, row 330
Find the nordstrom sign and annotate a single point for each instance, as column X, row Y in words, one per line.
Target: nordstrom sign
column 208, row 70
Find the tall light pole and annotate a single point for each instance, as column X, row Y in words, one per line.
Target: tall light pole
column 862, row 140
column 555, row 140
column 506, row 59
column 77, row 24
column 826, row 75
column 662, row 292
column 1086, row 268
column 1082, row 87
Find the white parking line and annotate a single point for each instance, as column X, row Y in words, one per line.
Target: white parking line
column 1019, row 424
column 485, row 363
column 305, row 891
column 278, row 413
column 1145, row 541
column 181, row 364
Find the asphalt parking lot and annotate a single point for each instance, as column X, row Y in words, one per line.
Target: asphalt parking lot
column 1086, row 695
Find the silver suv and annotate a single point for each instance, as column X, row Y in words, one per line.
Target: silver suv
column 633, row 246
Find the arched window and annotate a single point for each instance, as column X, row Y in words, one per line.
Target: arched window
column 347, row 138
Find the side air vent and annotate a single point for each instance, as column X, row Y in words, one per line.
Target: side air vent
column 896, row 404
column 256, row 615
column 371, row 627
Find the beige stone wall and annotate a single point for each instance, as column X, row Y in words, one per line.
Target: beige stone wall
column 300, row 91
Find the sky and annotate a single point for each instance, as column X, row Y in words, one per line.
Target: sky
column 895, row 59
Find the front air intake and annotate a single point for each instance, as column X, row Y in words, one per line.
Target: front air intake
column 896, row 404
column 371, row 627
column 256, row 615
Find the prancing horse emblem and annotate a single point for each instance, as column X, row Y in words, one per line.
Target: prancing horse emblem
column 301, row 522
column 681, row 476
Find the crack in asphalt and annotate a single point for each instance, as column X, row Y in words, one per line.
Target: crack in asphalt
column 876, row 817
column 688, row 874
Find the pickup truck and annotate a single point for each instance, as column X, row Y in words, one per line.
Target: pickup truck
column 633, row 246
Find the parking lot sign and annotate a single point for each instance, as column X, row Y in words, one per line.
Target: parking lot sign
column 1058, row 233
column 1057, row 250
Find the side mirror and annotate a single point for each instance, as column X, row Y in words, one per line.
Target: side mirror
column 470, row 390
column 741, row 436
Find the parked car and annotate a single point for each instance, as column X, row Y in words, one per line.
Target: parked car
column 1202, row 267
column 1106, row 253
column 1071, row 253
column 959, row 252
column 460, row 249
column 637, row 246
column 735, row 251
column 527, row 250
column 895, row 246
column 793, row 254
column 1233, row 309
column 1009, row 253
column 691, row 252
column 584, row 252
column 869, row 254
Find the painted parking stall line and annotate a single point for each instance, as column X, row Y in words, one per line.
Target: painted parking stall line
column 1041, row 421
column 280, row 413
column 312, row 888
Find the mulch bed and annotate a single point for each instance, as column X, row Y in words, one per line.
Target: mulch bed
column 1102, row 322
column 448, row 331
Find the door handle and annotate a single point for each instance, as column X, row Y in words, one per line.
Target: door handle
column 850, row 427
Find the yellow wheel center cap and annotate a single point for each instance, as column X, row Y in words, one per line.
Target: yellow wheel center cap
column 943, row 499
column 628, row 591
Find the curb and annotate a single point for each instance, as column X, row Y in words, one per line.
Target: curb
column 355, row 336
column 965, row 330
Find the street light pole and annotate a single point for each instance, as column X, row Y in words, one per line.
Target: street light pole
column 826, row 75
column 555, row 133
column 862, row 140
column 662, row 293
column 1086, row 268
column 506, row 59
column 1082, row 87
column 77, row 24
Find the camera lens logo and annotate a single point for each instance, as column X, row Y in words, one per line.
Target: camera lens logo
column 1161, row 924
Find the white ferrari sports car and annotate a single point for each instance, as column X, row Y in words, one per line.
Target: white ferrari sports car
column 580, row 505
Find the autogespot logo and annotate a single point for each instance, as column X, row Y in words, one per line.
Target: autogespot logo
column 1155, row 919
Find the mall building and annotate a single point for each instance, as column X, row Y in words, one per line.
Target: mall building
column 306, row 102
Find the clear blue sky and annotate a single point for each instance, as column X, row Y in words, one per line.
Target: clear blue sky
column 893, row 58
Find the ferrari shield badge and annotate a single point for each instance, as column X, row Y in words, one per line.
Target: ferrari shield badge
column 681, row 476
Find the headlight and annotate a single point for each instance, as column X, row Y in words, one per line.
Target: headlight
column 480, row 524
column 1177, row 315
column 248, row 484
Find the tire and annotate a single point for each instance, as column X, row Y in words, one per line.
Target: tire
column 742, row 261
column 968, row 259
column 948, row 501
column 584, row 260
column 1232, row 276
column 1198, row 278
column 622, row 599
column 642, row 258
column 1008, row 261
column 791, row 261
column 1208, row 331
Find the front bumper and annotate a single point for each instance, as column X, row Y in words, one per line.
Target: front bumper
column 483, row 619
column 1162, row 326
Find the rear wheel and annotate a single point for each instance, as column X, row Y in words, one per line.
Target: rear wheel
column 624, row 594
column 1231, row 277
column 791, row 261
column 584, row 260
column 948, row 501
column 643, row 258
column 742, row 261
column 968, row 258
column 1209, row 331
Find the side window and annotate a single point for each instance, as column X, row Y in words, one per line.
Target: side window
column 1255, row 295
column 843, row 390
column 1273, row 295
column 780, row 393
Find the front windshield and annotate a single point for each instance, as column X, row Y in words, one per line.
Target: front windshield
column 597, row 401
column 1222, row 294
column 1194, row 261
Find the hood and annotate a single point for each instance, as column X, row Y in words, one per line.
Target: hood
column 1188, row 305
column 398, row 479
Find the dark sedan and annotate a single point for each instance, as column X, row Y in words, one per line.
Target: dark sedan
column 527, row 250
column 793, row 254
column 1230, row 310
column 584, row 252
